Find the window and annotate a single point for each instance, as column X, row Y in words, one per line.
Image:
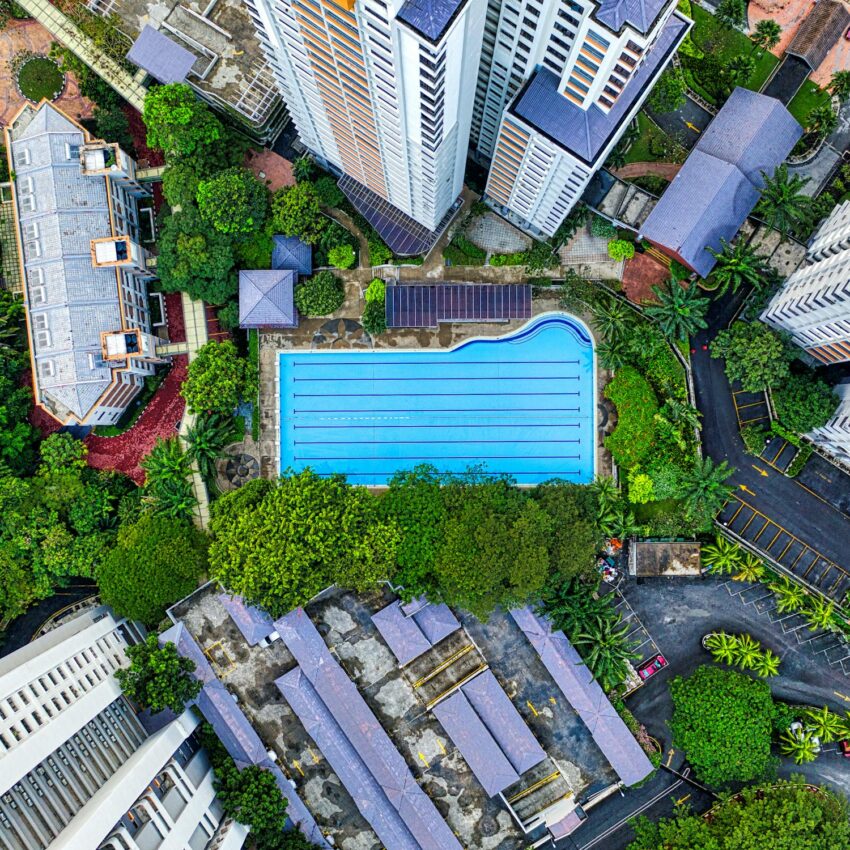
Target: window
column 39, row 322
column 27, row 203
column 72, row 151
column 30, row 231
column 25, row 185
column 42, row 338
column 22, row 156
column 36, row 276
column 32, row 249
column 48, row 370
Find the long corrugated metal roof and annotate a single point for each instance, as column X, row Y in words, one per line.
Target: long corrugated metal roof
column 346, row 708
column 436, row 622
column 402, row 634
column 426, row 305
column 254, row 623
column 824, row 25
column 476, row 744
column 584, row 694
column 503, row 721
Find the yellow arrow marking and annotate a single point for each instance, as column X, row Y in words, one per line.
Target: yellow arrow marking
column 683, row 799
column 297, row 766
column 440, row 745
column 746, row 489
column 313, row 755
column 670, row 754
column 842, row 696
column 553, row 700
column 759, row 470
column 692, row 127
column 533, row 709
column 424, row 760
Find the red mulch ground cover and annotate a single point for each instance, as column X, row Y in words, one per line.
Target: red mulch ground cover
column 151, row 156
column 38, row 417
column 161, row 418
column 174, row 314
column 214, row 329
column 641, row 273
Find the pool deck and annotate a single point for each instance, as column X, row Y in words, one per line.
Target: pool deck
column 339, row 332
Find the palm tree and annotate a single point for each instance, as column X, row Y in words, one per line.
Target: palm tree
column 681, row 413
column 173, row 498
column 766, row 34
column 573, row 607
column 612, row 318
column 722, row 647
column 166, row 461
column 740, row 68
column 612, row 354
column 790, row 596
column 819, row 613
column 783, row 206
column 747, row 651
column 167, row 488
column 825, row 725
column 605, row 489
column 821, row 120
column 839, row 85
column 737, row 264
column 723, row 556
column 751, row 569
column 703, row 489
column 205, row 442
column 680, row 311
column 606, row 652
column 617, row 521
column 798, row 745
column 767, row 664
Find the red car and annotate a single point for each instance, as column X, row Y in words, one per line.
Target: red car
column 844, row 748
column 651, row 667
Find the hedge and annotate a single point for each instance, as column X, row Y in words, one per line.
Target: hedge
column 637, row 405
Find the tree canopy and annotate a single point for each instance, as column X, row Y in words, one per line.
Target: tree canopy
column 219, row 379
column 233, row 201
column 803, row 402
column 786, row 815
column 723, row 720
column 755, row 355
column 296, row 212
column 158, row 677
column 178, row 122
column 156, row 561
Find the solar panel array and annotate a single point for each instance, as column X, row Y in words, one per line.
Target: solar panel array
column 426, row 305
column 356, row 746
column 405, row 236
column 584, row 694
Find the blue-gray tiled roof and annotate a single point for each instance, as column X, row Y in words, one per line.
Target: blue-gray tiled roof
column 266, row 299
column 430, row 18
column 585, row 133
column 290, row 253
column 719, row 184
column 162, row 58
column 641, row 14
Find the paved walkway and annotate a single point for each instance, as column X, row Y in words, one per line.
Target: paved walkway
column 271, row 168
column 680, row 123
column 588, row 255
column 493, row 233
column 667, row 170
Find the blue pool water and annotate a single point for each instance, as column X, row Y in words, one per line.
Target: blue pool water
column 521, row 404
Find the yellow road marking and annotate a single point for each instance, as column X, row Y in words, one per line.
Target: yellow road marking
column 670, row 754
column 767, row 522
column 297, row 766
column 746, row 490
column 553, row 700
column 842, row 696
column 533, row 709
column 424, row 760
column 759, row 470
column 440, row 745
column 440, row 667
column 748, row 523
column 774, row 540
column 683, row 799
column 313, row 755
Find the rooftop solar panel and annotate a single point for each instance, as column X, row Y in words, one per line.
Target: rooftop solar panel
column 252, row 622
column 402, row 634
column 503, row 721
column 584, row 694
column 426, row 305
column 476, row 744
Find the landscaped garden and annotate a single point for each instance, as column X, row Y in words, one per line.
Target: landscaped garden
column 39, row 78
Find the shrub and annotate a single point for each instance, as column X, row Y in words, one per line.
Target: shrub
column 602, row 228
column 219, row 379
column 637, row 405
column 341, row 257
column 800, row 460
column 754, row 438
column 374, row 319
column 621, row 249
column 158, row 677
column 516, row 259
column 376, row 291
column 328, row 193
column 462, row 252
column 319, row 295
column 641, row 488
column 379, row 252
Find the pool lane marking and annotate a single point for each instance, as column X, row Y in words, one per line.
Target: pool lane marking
column 425, row 395
column 441, row 456
column 380, row 359
column 418, row 378
column 438, row 427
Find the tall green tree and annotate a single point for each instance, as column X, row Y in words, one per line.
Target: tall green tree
column 219, row 379
column 790, row 596
column 731, row 13
column 296, row 211
column 783, row 204
column 178, row 123
column 803, row 402
column 703, row 487
column 821, row 120
column 158, row 677
column 680, row 311
column 607, row 652
column 574, row 607
column 252, row 797
column 723, row 720
column 299, row 537
column 755, row 355
column 233, row 201
column 168, row 489
column 205, row 442
column 799, row 745
column 738, row 69
column 824, row 724
column 723, row 556
column 613, row 319
column 839, row 84
column 668, row 94
column 737, row 264
column 155, row 562
column 766, row 34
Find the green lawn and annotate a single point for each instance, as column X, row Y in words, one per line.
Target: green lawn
column 653, row 144
column 807, row 99
column 40, row 78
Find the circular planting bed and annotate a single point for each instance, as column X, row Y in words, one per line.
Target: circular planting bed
column 39, row 78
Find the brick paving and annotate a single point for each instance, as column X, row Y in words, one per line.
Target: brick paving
column 271, row 168
column 641, row 274
column 667, row 170
column 31, row 36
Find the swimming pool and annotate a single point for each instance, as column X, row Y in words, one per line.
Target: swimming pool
column 522, row 404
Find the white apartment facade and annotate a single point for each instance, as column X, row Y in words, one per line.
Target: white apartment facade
column 381, row 92
column 834, row 436
column 80, row 771
column 85, row 274
column 565, row 80
column 813, row 304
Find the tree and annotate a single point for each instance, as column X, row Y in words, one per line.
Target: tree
column 62, row 452
column 612, row 354
column 703, row 488
column 158, row 677
column 178, row 122
column 180, row 183
column 839, row 85
column 205, row 442
column 766, row 664
column 722, row 646
column 319, row 295
column 750, row 569
column 285, row 544
column 667, row 95
column 783, row 204
column 821, row 120
column 574, row 607
column 607, row 652
column 167, row 486
column 219, row 379
column 302, row 168
column 233, row 201
column 341, row 256
column 682, row 414
column 296, row 212
column 731, row 13
column 252, row 797
column 621, row 249
column 785, row 814
column 155, row 562
column 799, row 745
column 737, row 265
column 766, row 34
column 723, row 556
column 739, row 69
column 824, row 725
column 18, row 439
column 747, row 651
column 637, row 407
column 790, row 596
column 641, row 489
column 723, row 720
column 195, row 258
column 374, row 318
column 681, row 310
column 803, row 402
column 613, row 319
column 755, row 355
column 328, row 193
column 820, row 613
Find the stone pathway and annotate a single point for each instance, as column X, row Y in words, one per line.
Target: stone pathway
column 643, row 272
column 588, row 254
column 348, row 223
column 492, row 233
column 30, row 36
column 667, row 170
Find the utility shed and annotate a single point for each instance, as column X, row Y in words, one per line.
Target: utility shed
column 651, row 559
